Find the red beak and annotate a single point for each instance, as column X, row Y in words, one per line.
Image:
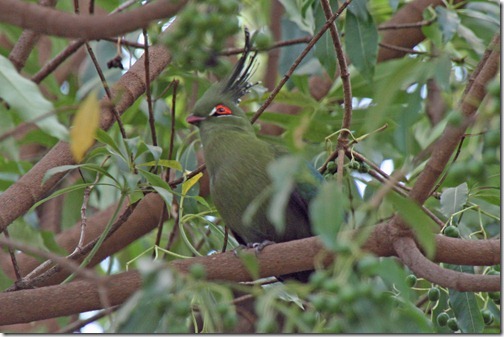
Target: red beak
column 194, row 119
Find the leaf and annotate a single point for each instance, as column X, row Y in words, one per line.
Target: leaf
column 448, row 22
column 361, row 41
column 103, row 137
column 164, row 163
column 325, row 53
column 92, row 167
column 300, row 14
column 421, row 224
column 250, row 262
column 25, row 97
column 186, row 185
column 84, row 126
column 327, row 213
column 465, row 306
column 453, row 199
column 51, row 244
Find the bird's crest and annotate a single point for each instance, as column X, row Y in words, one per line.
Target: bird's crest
column 237, row 84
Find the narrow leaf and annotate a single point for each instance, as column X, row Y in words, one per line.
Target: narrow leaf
column 421, row 224
column 448, row 22
column 327, row 213
column 25, row 97
column 453, row 199
column 186, row 185
column 51, row 244
column 361, row 43
column 164, row 163
column 465, row 305
column 84, row 126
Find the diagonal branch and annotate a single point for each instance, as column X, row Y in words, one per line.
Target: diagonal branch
column 19, row 197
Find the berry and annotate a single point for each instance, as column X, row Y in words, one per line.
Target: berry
column 488, row 317
column 452, row 324
column 332, row 167
column 411, row 280
column 263, row 40
column 433, row 294
column 451, row 231
column 442, row 319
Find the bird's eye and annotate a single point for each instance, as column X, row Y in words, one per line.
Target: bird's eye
column 220, row 110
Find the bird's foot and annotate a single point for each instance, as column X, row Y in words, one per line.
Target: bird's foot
column 259, row 245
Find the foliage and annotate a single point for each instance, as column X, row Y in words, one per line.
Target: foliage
column 357, row 293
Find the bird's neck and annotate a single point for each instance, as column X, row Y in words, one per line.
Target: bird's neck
column 224, row 140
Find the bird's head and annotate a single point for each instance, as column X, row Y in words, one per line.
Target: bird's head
column 221, row 100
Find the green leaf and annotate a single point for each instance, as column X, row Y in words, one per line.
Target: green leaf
column 87, row 166
column 51, row 244
column 453, row 199
column 361, row 41
column 465, row 306
column 164, row 163
column 60, row 192
column 325, row 53
column 301, row 14
column 250, row 263
column 25, row 97
column 443, row 71
column 448, row 22
column 103, row 137
column 327, row 213
column 421, row 224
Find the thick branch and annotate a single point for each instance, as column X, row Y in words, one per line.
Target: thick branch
column 408, row 252
column 80, row 296
column 19, row 197
column 90, row 27
column 452, row 135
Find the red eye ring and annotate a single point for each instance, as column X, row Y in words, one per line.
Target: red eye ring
column 221, row 110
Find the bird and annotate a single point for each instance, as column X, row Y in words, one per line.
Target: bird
column 238, row 163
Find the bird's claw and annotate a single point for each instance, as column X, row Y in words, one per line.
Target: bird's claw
column 258, row 246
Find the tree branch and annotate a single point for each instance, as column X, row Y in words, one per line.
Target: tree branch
column 408, row 252
column 82, row 295
column 89, row 27
column 19, row 197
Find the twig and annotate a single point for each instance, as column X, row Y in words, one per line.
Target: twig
column 147, row 88
column 33, row 279
column 87, row 193
column 13, row 258
column 298, row 61
column 406, row 25
column 405, row 50
column 106, row 88
column 77, row 325
column 234, row 51
column 51, row 65
column 60, row 261
column 347, row 91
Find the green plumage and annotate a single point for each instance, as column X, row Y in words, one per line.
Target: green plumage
column 237, row 163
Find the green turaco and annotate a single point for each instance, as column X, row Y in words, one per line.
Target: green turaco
column 238, row 164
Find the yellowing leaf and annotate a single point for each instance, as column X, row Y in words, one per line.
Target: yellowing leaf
column 186, row 186
column 85, row 124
